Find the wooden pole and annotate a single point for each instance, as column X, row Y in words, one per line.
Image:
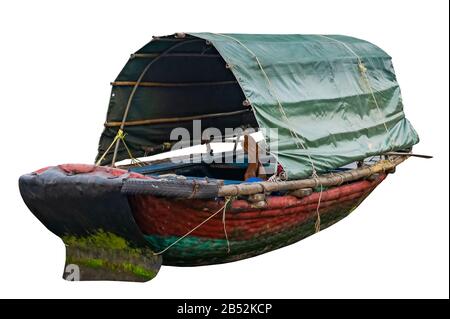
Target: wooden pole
column 139, row 80
column 193, row 55
column 409, row 154
column 174, row 119
column 162, row 84
column 324, row 180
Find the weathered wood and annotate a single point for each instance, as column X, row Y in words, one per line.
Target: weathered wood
column 303, row 192
column 254, row 198
column 373, row 177
column 324, row 180
column 133, row 91
column 174, row 119
column 259, row 205
column 181, row 55
column 162, row 84
column 158, row 38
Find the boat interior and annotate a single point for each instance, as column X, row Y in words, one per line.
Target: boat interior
column 225, row 168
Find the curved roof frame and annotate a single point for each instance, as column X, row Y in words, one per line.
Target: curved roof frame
column 332, row 99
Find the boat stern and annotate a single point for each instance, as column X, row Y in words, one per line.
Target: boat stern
column 84, row 206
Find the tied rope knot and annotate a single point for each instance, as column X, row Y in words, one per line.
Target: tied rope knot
column 362, row 67
column 315, row 176
column 120, row 136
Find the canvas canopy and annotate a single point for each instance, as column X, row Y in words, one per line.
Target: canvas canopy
column 333, row 99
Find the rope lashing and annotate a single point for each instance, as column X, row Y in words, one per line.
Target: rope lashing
column 363, row 70
column 136, row 85
column 227, row 201
column 298, row 141
column 318, row 221
column 120, row 136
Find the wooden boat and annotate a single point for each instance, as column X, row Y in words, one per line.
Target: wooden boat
column 337, row 109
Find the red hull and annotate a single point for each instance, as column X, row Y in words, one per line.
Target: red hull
column 161, row 218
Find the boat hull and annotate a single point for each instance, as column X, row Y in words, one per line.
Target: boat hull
column 84, row 206
column 249, row 231
column 91, row 210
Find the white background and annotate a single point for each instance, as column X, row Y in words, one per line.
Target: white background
column 56, row 62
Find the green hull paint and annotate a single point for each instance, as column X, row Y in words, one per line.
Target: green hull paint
column 193, row 251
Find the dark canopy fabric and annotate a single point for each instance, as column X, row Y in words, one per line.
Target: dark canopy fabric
column 333, row 99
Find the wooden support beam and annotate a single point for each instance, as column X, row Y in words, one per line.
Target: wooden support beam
column 172, row 55
column 175, row 119
column 324, row 180
column 165, row 84
column 167, row 39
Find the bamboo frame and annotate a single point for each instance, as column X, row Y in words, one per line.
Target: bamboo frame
column 162, row 84
column 193, row 55
column 175, row 119
column 160, row 38
column 130, row 98
column 324, row 180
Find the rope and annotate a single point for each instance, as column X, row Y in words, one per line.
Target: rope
column 280, row 106
column 363, row 70
column 317, row 224
column 136, row 85
column 198, row 226
column 224, row 225
column 120, row 136
column 298, row 141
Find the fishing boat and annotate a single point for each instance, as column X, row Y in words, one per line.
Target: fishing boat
column 330, row 118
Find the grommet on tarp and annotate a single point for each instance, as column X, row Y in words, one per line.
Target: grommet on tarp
column 227, row 66
column 180, row 35
column 246, row 103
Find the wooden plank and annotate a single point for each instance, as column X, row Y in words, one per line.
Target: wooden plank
column 165, row 84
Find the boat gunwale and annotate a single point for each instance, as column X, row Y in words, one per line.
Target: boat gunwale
column 386, row 165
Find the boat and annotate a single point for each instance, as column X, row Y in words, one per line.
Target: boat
column 329, row 115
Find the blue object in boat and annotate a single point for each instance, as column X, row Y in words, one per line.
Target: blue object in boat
column 253, row 180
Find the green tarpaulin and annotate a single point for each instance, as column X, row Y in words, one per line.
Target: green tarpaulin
column 334, row 99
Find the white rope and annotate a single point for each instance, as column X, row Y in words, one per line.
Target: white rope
column 225, row 227
column 317, row 224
